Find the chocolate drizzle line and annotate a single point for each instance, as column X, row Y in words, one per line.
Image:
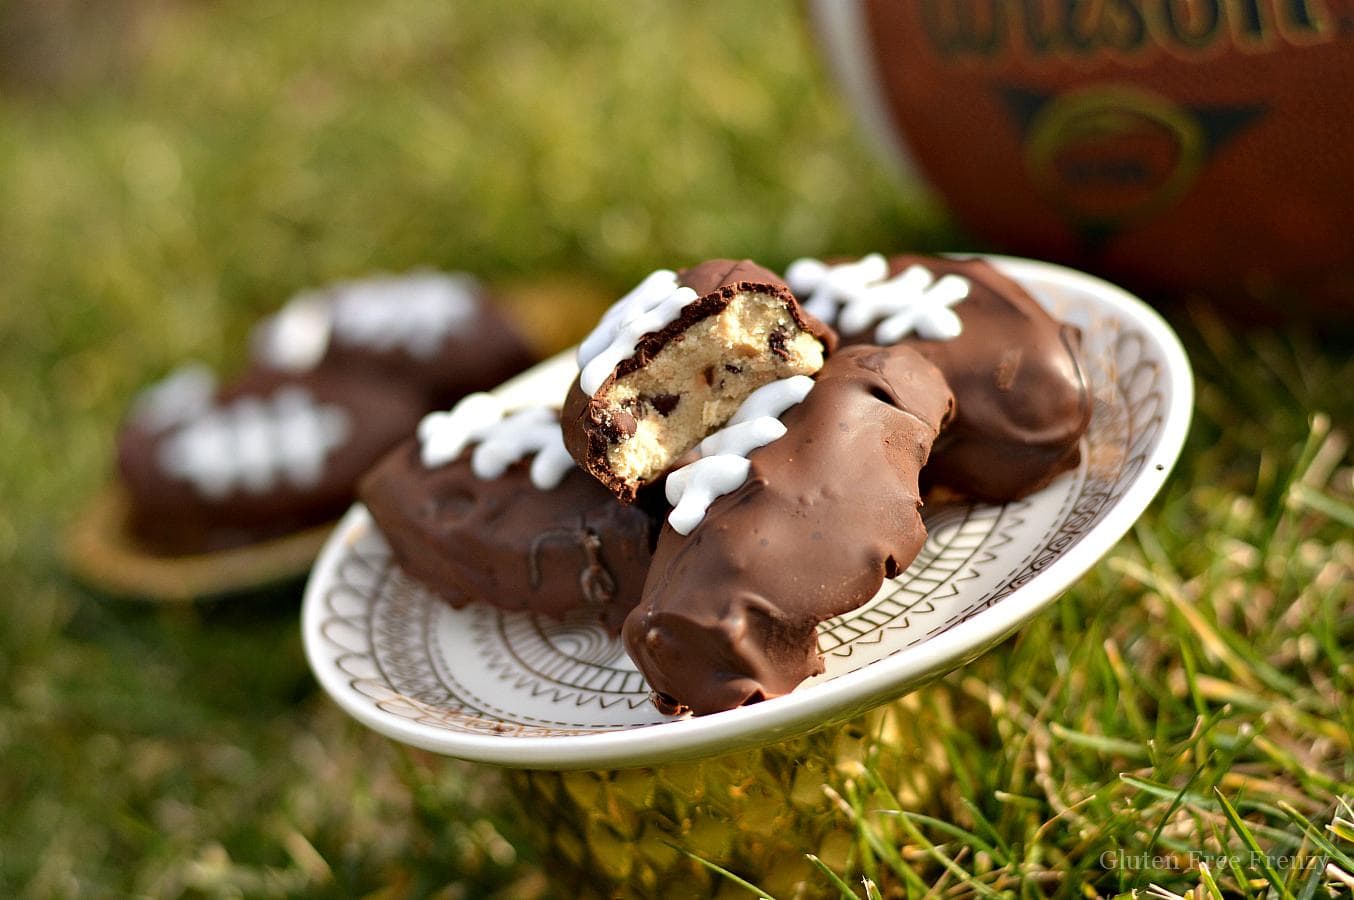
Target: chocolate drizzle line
column 505, row 543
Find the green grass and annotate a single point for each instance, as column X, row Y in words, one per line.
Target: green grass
column 1191, row 695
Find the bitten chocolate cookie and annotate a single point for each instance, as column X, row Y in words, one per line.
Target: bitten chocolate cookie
column 491, row 508
column 208, row 468
column 787, row 519
column 439, row 333
column 673, row 359
column 1021, row 399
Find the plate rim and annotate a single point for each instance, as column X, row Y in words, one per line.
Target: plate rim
column 801, row 711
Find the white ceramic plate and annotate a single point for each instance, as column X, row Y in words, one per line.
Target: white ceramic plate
column 517, row 690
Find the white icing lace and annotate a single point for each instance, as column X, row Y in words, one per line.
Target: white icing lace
column 414, row 313
column 656, row 302
column 724, row 466
column 855, row 296
column 255, row 443
column 182, row 395
column 502, row 438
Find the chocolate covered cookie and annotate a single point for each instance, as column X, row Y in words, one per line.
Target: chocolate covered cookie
column 1021, row 399
column 489, row 507
column 438, row 333
column 208, row 468
column 672, row 360
column 796, row 512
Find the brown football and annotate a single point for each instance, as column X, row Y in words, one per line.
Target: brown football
column 1181, row 145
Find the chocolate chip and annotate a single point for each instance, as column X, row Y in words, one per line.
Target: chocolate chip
column 709, row 375
column 619, row 425
column 664, row 403
column 732, row 369
column 777, row 343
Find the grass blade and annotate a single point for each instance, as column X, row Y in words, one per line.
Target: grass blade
column 1314, row 834
column 1206, row 876
column 1305, row 496
column 1170, row 811
column 836, row 880
column 1239, row 826
column 720, row 870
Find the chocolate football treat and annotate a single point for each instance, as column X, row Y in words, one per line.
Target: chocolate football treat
column 439, row 333
column 1021, row 399
column 673, row 359
column 208, row 469
column 491, row 508
column 785, row 521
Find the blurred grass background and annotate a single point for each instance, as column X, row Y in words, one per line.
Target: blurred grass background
column 171, row 169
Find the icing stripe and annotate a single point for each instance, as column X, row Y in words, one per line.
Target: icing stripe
column 724, row 466
column 855, row 296
column 444, row 435
column 412, row 313
column 257, row 442
column 177, row 398
column 534, row 430
column 656, row 302
column 501, row 440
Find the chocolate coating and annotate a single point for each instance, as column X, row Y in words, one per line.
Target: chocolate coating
column 590, row 427
column 730, row 611
column 1021, row 398
column 503, row 541
column 171, row 516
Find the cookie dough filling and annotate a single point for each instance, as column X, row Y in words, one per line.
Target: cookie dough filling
column 695, row 384
column 672, row 361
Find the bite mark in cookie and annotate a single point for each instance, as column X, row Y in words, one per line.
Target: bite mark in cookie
column 672, row 361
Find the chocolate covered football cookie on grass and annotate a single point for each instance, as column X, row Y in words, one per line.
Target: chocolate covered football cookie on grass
column 209, row 468
column 436, row 332
column 487, row 506
column 795, row 513
column 1022, row 403
column 223, row 490
column 672, row 360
